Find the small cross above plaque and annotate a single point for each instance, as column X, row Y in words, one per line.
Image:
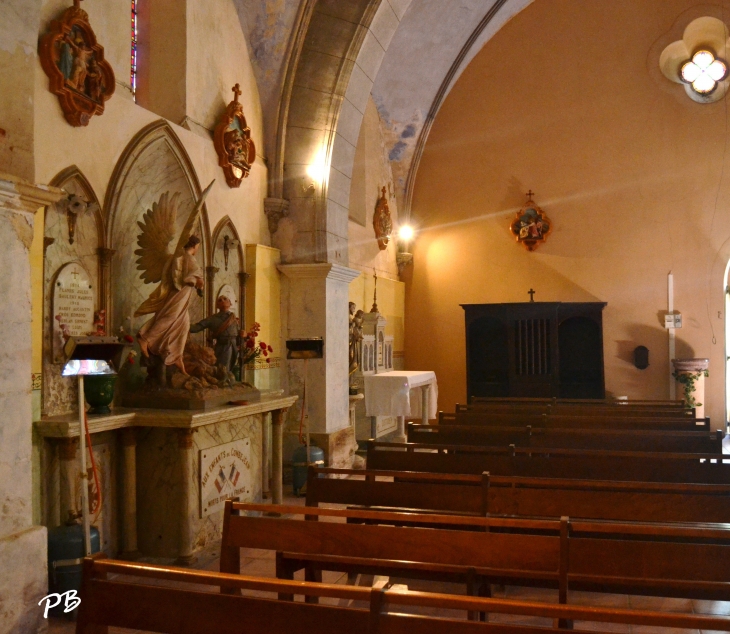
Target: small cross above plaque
column 529, row 195
column 236, row 92
column 531, row 293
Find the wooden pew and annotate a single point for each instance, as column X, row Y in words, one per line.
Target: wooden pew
column 144, row 604
column 629, row 558
column 578, row 410
column 615, row 439
column 564, row 421
column 484, row 494
column 585, row 464
column 608, row 402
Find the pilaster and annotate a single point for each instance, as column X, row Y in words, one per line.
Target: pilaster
column 315, row 304
column 22, row 546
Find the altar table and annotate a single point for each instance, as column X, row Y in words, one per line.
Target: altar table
column 389, row 394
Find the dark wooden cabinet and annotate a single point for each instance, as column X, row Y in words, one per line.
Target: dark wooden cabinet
column 535, row 349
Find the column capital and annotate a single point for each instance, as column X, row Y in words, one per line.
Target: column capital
column 105, row 255
column 19, row 195
column 275, row 209
column 319, row 271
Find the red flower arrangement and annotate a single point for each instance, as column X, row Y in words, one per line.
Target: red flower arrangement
column 251, row 349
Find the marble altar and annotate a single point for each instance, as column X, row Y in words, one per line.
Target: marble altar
column 160, row 452
column 389, row 394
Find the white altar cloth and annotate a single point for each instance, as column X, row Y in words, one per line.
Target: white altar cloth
column 390, row 393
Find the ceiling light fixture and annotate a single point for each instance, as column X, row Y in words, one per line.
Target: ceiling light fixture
column 703, row 72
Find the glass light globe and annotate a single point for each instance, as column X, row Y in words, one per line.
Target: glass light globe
column 690, row 72
column 717, row 70
column 405, row 233
column 703, row 59
column 704, row 84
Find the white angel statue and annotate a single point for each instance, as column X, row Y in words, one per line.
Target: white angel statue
column 178, row 274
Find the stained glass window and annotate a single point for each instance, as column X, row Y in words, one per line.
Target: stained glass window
column 133, row 75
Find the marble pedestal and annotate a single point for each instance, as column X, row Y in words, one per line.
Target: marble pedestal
column 160, row 456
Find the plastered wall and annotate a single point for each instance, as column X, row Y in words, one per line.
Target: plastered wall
column 567, row 100
column 217, row 58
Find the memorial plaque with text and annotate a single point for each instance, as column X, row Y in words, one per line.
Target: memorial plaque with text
column 73, row 306
column 225, row 472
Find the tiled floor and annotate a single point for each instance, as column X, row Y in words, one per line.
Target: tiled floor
column 261, row 563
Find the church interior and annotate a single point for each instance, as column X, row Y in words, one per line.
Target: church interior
column 364, row 315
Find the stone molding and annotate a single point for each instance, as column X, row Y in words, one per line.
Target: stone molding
column 19, row 195
column 691, row 365
column 319, row 271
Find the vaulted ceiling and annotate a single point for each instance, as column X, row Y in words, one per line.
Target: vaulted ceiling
column 425, row 45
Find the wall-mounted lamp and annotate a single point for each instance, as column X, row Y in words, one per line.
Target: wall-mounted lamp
column 404, row 257
column 228, row 244
column 693, row 61
column 74, row 206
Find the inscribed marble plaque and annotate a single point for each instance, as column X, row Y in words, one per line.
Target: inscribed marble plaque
column 225, row 472
column 73, row 306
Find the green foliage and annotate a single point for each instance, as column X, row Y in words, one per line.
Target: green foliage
column 689, row 382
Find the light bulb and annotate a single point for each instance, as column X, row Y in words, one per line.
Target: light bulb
column 405, row 233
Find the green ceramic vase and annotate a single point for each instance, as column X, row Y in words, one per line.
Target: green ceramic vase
column 99, row 392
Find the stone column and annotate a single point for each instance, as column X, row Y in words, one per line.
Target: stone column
column 105, row 258
column 129, row 505
column 187, row 508
column 210, row 272
column 688, row 372
column 400, row 432
column 23, row 548
column 68, row 467
column 315, row 304
column 278, row 416
column 425, row 394
column 265, row 468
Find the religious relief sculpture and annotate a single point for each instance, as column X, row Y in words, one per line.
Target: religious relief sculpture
column 178, row 274
column 531, row 226
column 75, row 65
column 382, row 222
column 233, row 143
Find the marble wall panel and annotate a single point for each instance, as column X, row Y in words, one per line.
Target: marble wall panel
column 60, row 393
column 160, row 490
column 154, row 171
column 227, row 275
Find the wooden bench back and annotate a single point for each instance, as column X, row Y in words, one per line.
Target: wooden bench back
column 609, row 439
column 520, row 496
column 659, row 559
column 147, row 605
column 467, row 548
column 585, row 464
column 564, row 421
column 587, row 402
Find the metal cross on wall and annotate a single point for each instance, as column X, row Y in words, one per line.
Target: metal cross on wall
column 531, row 293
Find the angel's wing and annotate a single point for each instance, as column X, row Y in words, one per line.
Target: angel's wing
column 158, row 230
column 192, row 218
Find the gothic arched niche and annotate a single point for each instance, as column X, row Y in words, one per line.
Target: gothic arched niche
column 59, row 394
column 154, row 162
column 228, row 264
